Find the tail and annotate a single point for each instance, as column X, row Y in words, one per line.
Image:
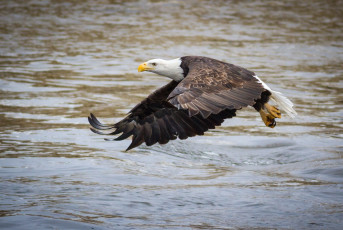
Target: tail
column 284, row 103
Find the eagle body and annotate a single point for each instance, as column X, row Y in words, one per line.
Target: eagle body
column 203, row 92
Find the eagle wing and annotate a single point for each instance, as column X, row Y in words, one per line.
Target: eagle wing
column 157, row 120
column 212, row 86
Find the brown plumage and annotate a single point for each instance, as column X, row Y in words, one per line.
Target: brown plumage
column 209, row 92
column 212, row 86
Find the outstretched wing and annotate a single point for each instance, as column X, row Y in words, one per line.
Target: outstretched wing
column 156, row 120
column 212, row 86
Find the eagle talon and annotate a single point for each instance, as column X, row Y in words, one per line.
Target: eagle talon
column 273, row 124
column 273, row 110
column 268, row 119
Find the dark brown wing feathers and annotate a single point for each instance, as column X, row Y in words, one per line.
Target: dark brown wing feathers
column 212, row 86
column 172, row 124
column 211, row 92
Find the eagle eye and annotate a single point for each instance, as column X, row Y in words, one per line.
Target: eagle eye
column 154, row 64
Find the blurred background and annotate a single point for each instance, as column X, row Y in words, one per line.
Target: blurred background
column 61, row 60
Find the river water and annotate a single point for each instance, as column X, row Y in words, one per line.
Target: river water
column 61, row 60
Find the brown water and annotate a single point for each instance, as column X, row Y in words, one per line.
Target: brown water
column 61, row 60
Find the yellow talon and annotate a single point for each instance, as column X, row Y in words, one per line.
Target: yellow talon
column 273, row 110
column 268, row 119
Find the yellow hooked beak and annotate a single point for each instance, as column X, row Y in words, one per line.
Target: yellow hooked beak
column 144, row 67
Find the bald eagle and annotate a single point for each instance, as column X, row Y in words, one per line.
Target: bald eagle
column 203, row 92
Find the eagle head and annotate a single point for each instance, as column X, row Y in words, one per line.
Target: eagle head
column 167, row 68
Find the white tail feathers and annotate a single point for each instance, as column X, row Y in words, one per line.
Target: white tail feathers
column 284, row 103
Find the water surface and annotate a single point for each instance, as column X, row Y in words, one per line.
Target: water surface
column 60, row 60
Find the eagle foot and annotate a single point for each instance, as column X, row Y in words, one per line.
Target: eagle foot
column 272, row 110
column 268, row 119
